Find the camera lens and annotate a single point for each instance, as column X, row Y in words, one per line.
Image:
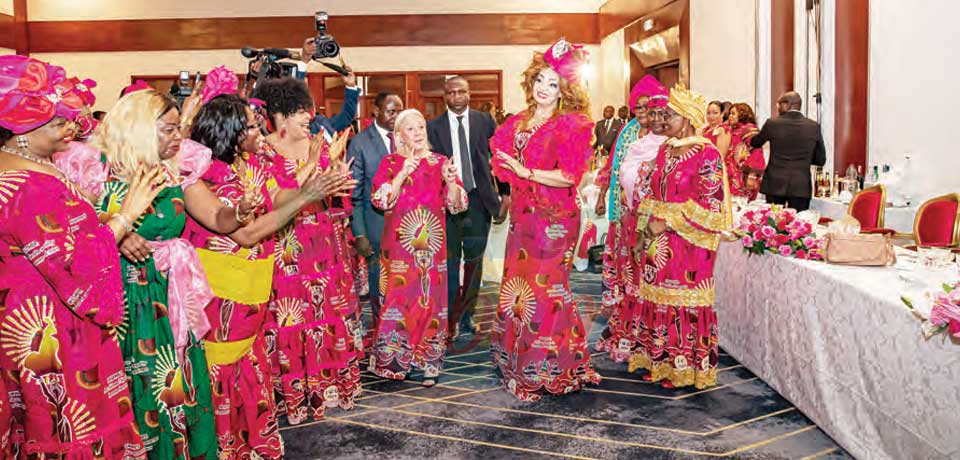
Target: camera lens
column 329, row 49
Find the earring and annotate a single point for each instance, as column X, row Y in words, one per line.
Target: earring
column 560, row 107
column 23, row 142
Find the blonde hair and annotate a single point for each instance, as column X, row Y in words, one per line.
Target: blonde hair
column 128, row 134
column 403, row 118
column 573, row 97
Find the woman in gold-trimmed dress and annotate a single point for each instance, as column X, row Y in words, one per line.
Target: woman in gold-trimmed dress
column 682, row 219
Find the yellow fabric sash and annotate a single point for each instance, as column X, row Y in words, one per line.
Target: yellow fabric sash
column 238, row 279
column 223, row 353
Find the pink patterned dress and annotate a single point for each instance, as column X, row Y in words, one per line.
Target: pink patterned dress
column 315, row 310
column 620, row 268
column 413, row 259
column 742, row 162
column 538, row 339
column 60, row 297
column 244, row 409
column 677, row 324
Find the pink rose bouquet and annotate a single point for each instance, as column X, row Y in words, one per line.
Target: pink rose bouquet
column 774, row 229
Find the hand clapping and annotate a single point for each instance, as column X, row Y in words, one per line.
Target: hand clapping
column 449, row 172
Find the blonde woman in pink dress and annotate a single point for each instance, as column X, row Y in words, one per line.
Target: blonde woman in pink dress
column 538, row 339
column 681, row 219
column 61, row 296
column 413, row 187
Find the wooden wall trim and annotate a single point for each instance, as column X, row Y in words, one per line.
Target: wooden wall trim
column 21, row 38
column 287, row 31
column 850, row 106
column 617, row 14
column 781, row 50
column 6, row 31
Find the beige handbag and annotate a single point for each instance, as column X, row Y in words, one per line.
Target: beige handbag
column 871, row 250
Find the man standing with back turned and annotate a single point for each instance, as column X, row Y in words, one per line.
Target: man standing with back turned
column 463, row 134
column 795, row 144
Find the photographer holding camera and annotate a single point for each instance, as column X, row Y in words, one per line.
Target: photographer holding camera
column 351, row 96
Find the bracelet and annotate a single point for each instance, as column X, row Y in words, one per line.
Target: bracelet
column 124, row 221
column 243, row 221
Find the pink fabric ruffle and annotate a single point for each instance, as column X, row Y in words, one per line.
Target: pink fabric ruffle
column 220, row 80
column 194, row 160
column 188, row 292
column 81, row 164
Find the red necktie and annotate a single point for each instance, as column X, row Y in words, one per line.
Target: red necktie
column 393, row 145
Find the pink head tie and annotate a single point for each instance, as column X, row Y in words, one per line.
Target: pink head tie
column 649, row 87
column 220, row 80
column 137, row 86
column 563, row 58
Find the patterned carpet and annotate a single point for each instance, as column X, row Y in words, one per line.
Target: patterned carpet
column 467, row 416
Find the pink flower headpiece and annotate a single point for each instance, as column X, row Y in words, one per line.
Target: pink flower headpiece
column 137, row 86
column 563, row 57
column 33, row 92
column 220, row 80
column 650, row 87
column 84, row 90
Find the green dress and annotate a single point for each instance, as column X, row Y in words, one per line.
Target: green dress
column 172, row 403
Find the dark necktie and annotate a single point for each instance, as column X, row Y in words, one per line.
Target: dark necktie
column 465, row 165
column 393, row 145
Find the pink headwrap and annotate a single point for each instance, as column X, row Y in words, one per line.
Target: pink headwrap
column 561, row 56
column 136, row 86
column 648, row 86
column 33, row 92
column 220, row 80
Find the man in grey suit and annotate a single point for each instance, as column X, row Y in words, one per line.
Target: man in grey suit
column 463, row 134
column 366, row 150
column 795, row 144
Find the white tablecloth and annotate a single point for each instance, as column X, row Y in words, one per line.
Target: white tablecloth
column 838, row 343
column 899, row 219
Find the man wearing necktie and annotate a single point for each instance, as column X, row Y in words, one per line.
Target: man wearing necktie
column 463, row 134
column 606, row 130
column 366, row 149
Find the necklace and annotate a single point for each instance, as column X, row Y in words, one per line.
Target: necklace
column 27, row 156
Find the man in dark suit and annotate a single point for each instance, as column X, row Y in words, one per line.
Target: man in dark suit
column 366, row 150
column 464, row 135
column 795, row 144
column 606, row 130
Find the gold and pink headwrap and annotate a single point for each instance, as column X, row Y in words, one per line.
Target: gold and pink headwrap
column 689, row 104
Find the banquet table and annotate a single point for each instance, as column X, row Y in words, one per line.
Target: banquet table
column 896, row 218
column 839, row 344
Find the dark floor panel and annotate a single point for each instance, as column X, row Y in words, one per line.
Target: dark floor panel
column 468, row 416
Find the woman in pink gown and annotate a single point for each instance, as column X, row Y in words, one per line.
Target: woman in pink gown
column 682, row 218
column 315, row 311
column 538, row 340
column 61, row 296
column 239, row 267
column 634, row 151
column 744, row 164
column 413, row 187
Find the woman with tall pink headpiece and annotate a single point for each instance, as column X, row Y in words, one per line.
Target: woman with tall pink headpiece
column 628, row 179
column 61, row 301
column 539, row 342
